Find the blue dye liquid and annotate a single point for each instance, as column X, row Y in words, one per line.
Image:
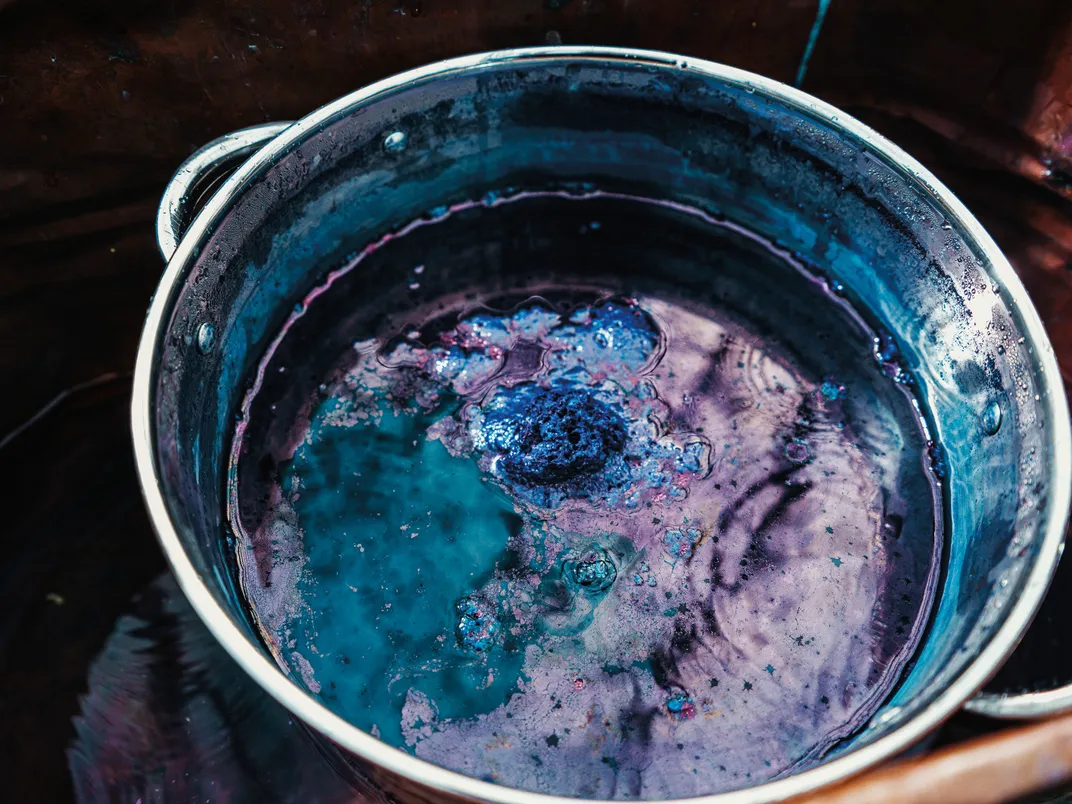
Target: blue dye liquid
column 630, row 516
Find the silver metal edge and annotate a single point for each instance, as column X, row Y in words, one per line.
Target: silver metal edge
column 268, row 675
column 1024, row 705
column 171, row 214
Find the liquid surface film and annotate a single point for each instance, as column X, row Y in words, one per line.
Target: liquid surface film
column 646, row 512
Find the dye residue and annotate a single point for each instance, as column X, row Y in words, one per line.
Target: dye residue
column 593, row 544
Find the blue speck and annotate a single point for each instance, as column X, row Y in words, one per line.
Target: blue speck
column 832, row 390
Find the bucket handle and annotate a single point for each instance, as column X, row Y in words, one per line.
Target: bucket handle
column 201, row 175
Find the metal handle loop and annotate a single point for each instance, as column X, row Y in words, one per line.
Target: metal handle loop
column 1023, row 705
column 201, row 175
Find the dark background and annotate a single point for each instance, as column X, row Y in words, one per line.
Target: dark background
column 101, row 101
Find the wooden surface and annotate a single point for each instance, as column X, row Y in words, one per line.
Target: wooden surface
column 1002, row 767
column 100, row 101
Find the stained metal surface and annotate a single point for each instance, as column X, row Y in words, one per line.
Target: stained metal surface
column 1007, row 626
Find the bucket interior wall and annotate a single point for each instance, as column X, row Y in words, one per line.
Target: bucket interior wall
column 660, row 131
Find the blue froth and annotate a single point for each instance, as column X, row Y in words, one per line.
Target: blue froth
column 477, row 624
column 561, row 435
column 594, row 570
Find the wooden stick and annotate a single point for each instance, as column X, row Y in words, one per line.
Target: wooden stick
column 988, row 770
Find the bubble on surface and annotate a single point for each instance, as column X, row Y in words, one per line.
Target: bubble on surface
column 681, row 707
column 832, row 390
column 797, row 451
column 593, row 570
column 477, row 623
column 889, row 358
column 680, row 542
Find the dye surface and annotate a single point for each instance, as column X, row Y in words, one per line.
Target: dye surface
column 605, row 541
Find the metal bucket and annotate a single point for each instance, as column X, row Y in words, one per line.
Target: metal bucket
column 297, row 197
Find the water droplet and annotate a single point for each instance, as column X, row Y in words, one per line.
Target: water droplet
column 395, row 142
column 206, row 337
column 991, row 419
column 797, row 451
